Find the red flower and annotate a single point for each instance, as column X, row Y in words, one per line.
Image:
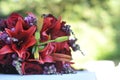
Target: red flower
column 57, row 30
column 21, row 39
column 12, row 20
column 31, row 67
column 48, row 24
column 45, row 54
column 54, row 52
column 6, row 59
column 52, row 27
column 63, row 47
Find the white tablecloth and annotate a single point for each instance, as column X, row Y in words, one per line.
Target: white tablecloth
column 80, row 75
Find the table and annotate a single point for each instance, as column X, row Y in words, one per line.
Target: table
column 80, row 75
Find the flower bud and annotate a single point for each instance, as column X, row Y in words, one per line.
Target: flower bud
column 62, row 39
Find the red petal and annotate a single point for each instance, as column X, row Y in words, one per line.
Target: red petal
column 61, row 57
column 30, row 31
column 58, row 24
column 30, row 42
column 5, row 49
column 46, row 53
column 44, row 36
column 12, row 19
column 19, row 26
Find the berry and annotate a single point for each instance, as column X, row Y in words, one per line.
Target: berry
column 50, row 69
column 67, row 69
column 66, row 29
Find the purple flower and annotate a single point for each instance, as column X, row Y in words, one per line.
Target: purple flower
column 12, row 20
column 30, row 19
column 4, row 38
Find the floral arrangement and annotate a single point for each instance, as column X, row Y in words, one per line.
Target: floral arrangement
column 36, row 46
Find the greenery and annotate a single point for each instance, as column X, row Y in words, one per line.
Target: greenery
column 96, row 23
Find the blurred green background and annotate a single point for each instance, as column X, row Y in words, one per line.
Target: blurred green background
column 96, row 23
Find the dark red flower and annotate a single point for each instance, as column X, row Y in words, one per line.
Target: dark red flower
column 54, row 52
column 57, row 30
column 21, row 39
column 45, row 54
column 52, row 27
column 48, row 24
column 5, row 59
column 31, row 67
column 62, row 47
column 12, row 20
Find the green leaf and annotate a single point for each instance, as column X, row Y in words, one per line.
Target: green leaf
column 37, row 36
column 36, row 53
column 62, row 39
column 33, row 49
column 59, row 39
column 41, row 47
column 39, row 23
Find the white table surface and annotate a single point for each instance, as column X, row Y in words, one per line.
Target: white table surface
column 80, row 75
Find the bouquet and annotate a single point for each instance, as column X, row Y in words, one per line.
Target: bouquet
column 31, row 45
